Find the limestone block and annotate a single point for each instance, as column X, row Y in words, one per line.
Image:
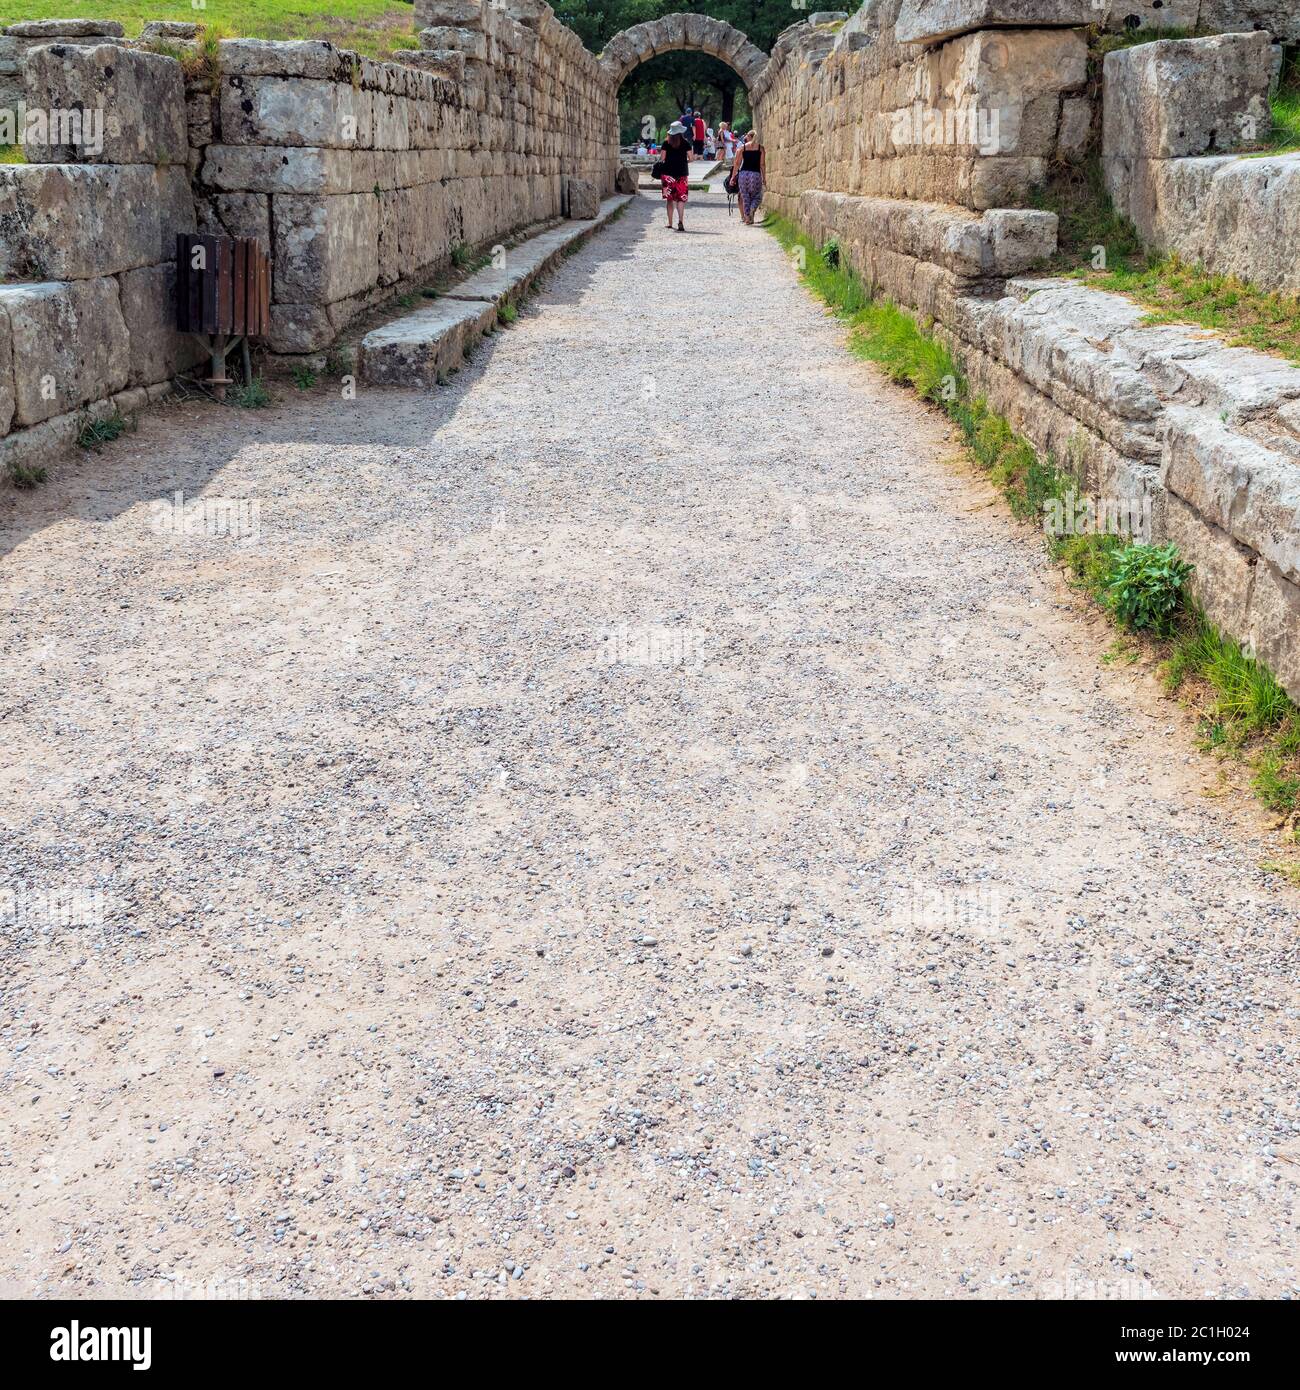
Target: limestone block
column 169, row 31
column 295, row 111
column 157, row 350
column 1280, row 18
column 440, row 62
column 464, row 14
column 1180, row 97
column 326, row 248
column 1224, row 573
column 625, row 181
column 6, row 371
column 310, row 58
column 1235, row 216
column 47, row 29
column 933, row 21
column 418, row 348
column 299, row 328
column 135, row 98
column 237, row 214
column 582, row 199
column 1273, row 626
column 69, row 345
column 282, row 169
column 78, row 221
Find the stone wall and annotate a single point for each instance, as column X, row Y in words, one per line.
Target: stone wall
column 364, row 177
column 1172, row 111
column 975, row 120
column 87, row 248
column 1198, row 440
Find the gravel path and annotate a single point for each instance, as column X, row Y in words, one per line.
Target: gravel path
column 615, row 833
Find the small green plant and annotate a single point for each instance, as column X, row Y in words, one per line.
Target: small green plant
column 94, row 434
column 428, row 292
column 1287, row 869
column 304, row 378
column 461, row 255
column 831, row 252
column 25, row 475
column 1146, row 586
column 507, row 314
column 251, row 395
column 404, row 301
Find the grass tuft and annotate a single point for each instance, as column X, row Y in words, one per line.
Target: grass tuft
column 94, row 434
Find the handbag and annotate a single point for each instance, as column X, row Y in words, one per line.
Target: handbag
column 658, row 169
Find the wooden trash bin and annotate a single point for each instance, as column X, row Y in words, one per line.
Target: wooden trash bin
column 223, row 297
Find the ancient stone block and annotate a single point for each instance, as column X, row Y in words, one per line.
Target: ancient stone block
column 312, row 58
column 69, row 345
column 583, row 199
column 933, row 21
column 465, row 14
column 1273, row 624
column 326, row 248
column 130, row 105
column 47, row 29
column 6, row 371
column 1180, row 97
column 418, row 348
column 77, row 221
column 281, row 169
column 294, row 111
column 157, row 350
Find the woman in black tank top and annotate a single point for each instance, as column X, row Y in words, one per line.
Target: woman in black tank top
column 751, row 174
column 675, row 174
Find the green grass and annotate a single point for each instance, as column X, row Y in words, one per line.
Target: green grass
column 24, row 475
column 369, row 26
column 94, row 434
column 12, row 154
column 304, row 378
column 252, row 395
column 1245, row 712
column 507, row 314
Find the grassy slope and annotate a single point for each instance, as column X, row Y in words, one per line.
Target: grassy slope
column 370, row 26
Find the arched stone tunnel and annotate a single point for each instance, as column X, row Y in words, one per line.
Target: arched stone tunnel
column 676, row 33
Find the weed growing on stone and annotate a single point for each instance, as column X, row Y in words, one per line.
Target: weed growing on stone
column 507, row 314
column 1172, row 290
column 1245, row 711
column 304, row 378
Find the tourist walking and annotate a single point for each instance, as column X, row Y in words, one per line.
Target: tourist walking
column 698, row 135
column 674, row 171
column 751, row 168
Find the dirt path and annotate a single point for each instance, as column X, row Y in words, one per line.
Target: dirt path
column 638, row 821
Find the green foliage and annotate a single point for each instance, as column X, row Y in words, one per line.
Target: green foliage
column 24, row 475
column 1146, row 587
column 831, row 252
column 304, row 378
column 368, row 26
column 507, row 314
column 94, row 434
column 251, row 395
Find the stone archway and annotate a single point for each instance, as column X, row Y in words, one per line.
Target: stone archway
column 675, row 32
